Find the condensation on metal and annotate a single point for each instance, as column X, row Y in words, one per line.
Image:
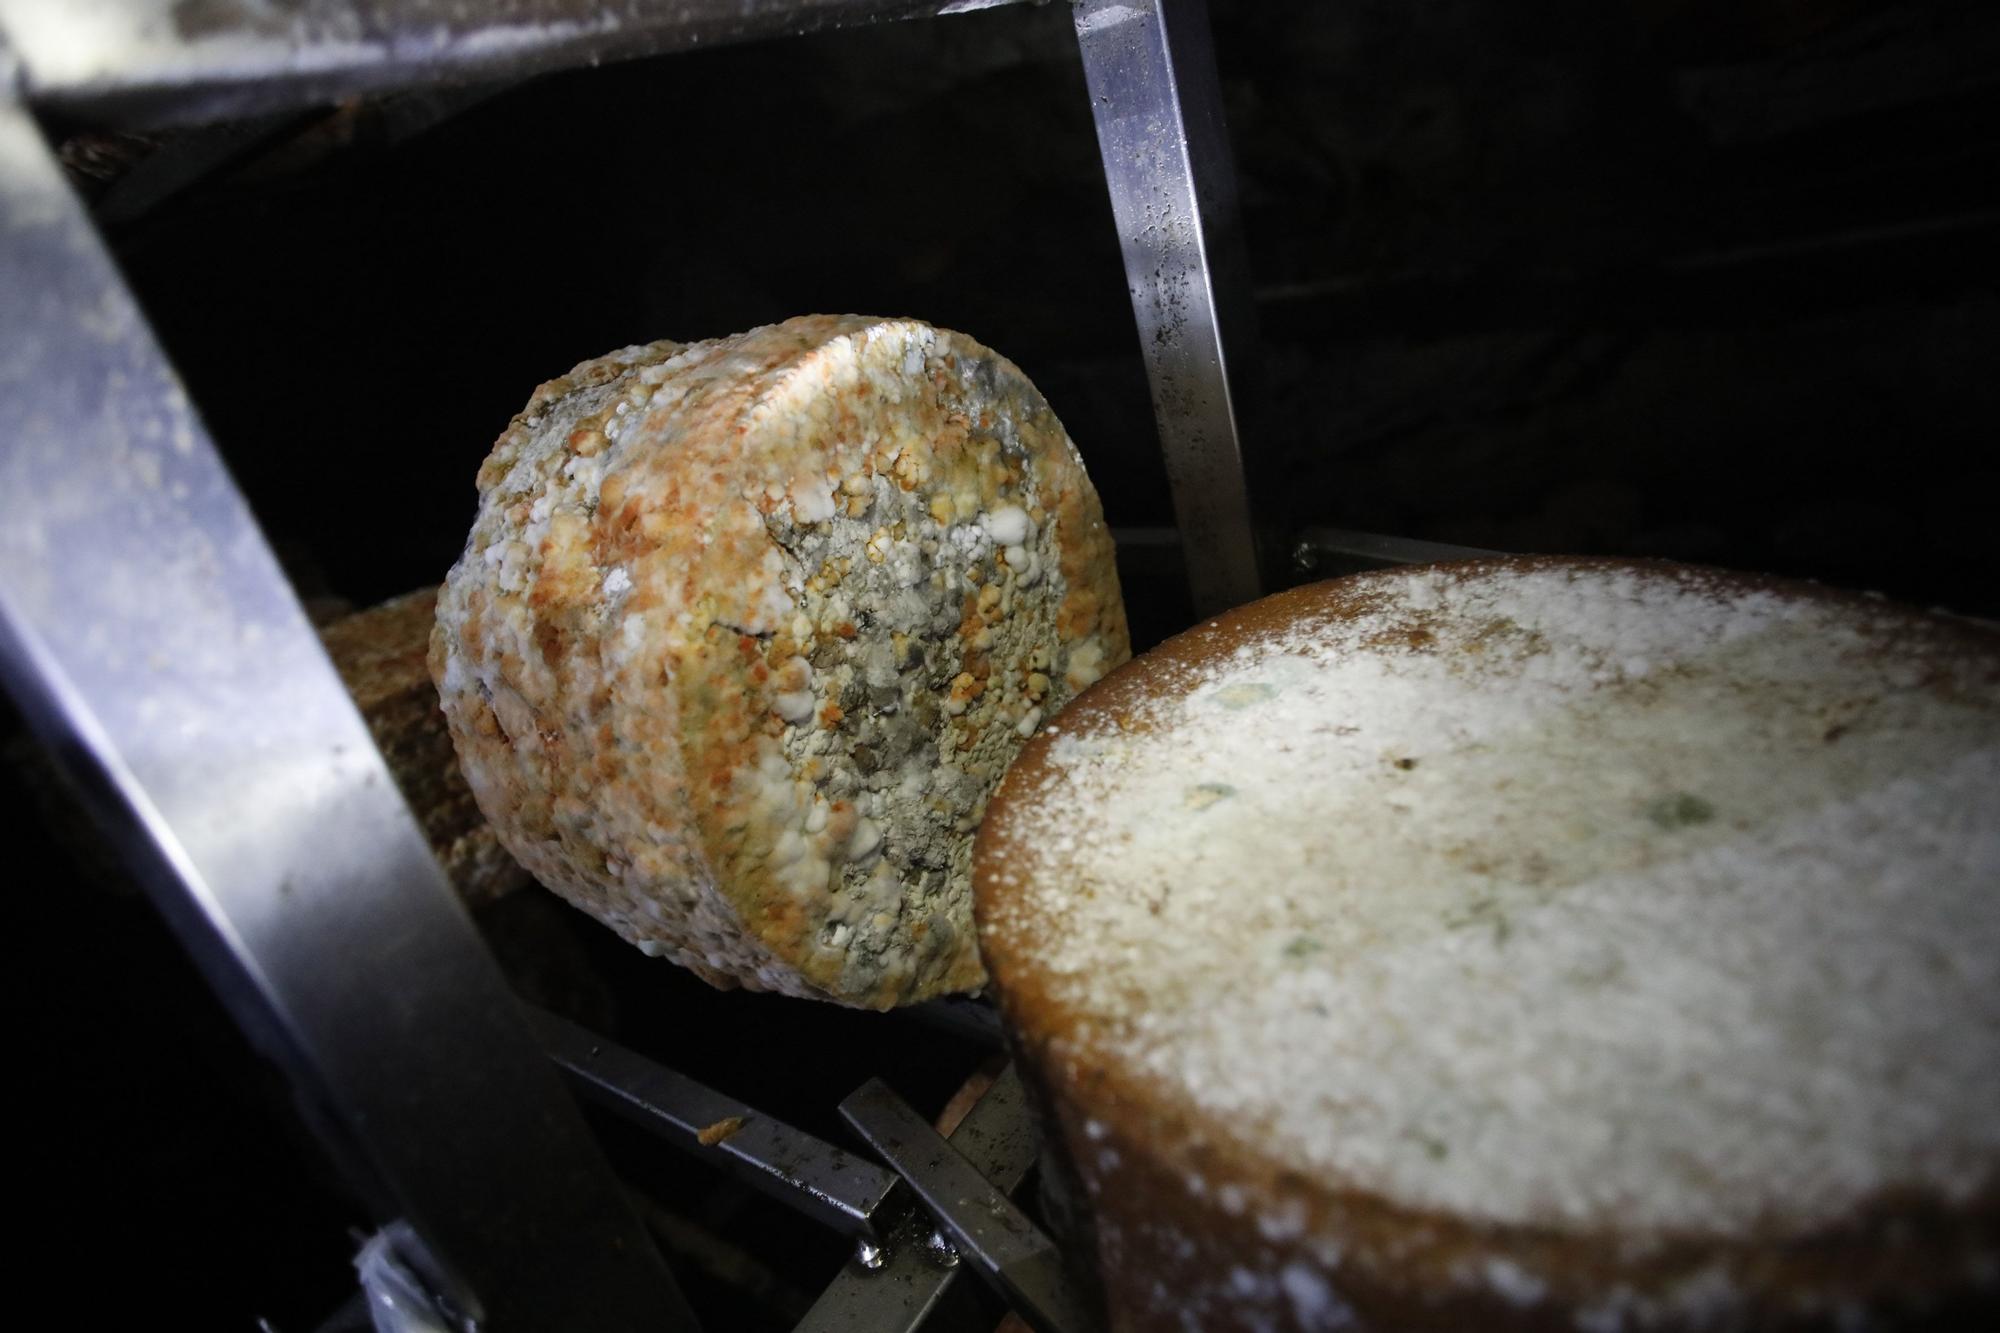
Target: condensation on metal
column 163, row 61
column 1156, row 100
column 153, row 642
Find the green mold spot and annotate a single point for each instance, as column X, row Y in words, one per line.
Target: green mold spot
column 1302, row 946
column 1484, row 913
column 1243, row 696
column 1433, row 1147
column 1204, row 794
column 1680, row 810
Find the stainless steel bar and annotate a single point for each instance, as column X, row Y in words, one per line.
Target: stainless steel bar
column 1006, row 1249
column 1312, row 546
column 998, row 1137
column 1157, row 102
column 163, row 61
column 829, row 1185
column 153, row 642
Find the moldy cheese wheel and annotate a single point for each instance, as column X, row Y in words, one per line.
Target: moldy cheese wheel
column 1522, row 944
column 746, row 631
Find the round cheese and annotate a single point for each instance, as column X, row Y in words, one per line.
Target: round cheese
column 1522, row 943
column 746, row 631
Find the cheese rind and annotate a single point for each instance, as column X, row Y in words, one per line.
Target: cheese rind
column 732, row 659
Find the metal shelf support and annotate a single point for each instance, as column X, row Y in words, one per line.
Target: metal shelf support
column 154, row 62
column 1157, row 101
column 153, row 641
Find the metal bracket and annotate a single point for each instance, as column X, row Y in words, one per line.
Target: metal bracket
column 1005, row 1248
column 819, row 1180
column 998, row 1139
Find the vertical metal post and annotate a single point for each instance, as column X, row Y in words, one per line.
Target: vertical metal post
column 153, row 641
column 1154, row 93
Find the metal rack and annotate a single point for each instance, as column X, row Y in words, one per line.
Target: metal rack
column 154, row 643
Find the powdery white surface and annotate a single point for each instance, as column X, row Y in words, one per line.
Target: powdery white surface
column 1616, row 902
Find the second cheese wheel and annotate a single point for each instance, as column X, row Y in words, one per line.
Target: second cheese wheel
column 1522, row 944
column 746, row 631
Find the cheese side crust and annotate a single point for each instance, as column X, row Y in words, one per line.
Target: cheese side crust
column 1522, row 944
column 746, row 631
column 380, row 655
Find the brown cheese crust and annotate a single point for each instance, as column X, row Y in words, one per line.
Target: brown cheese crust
column 746, row 631
column 1312, row 1200
column 380, row 655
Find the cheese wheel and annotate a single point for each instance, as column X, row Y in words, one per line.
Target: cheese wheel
column 746, row 631
column 380, row 655
column 1522, row 944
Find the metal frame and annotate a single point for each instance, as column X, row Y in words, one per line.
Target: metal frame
column 821, row 1181
column 955, row 1184
column 998, row 1139
column 1006, row 1249
column 155, row 644
column 157, row 647
column 157, row 62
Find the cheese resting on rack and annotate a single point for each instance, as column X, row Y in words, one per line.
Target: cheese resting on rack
column 1522, row 944
column 746, row 631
